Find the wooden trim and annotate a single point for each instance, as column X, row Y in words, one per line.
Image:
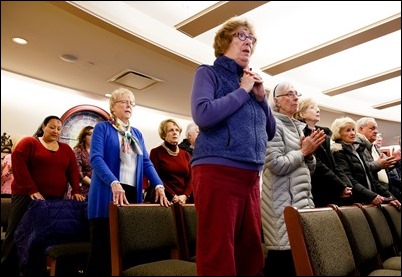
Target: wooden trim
column 383, row 76
column 386, row 151
column 115, row 241
column 373, row 31
column 301, row 258
column 388, row 104
column 82, row 108
column 52, row 265
column 115, row 248
column 215, row 15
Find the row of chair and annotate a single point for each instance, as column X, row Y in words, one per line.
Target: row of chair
column 62, row 259
column 140, row 233
column 151, row 240
column 358, row 240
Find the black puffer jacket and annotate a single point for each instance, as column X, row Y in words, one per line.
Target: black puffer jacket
column 357, row 171
column 327, row 181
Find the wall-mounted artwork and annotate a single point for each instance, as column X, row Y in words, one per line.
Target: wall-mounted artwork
column 6, row 143
column 77, row 118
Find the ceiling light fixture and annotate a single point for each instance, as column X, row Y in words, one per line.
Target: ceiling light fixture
column 20, row 41
column 70, row 58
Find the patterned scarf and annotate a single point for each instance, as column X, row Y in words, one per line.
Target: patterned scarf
column 128, row 141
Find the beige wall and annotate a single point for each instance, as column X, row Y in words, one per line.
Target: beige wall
column 25, row 102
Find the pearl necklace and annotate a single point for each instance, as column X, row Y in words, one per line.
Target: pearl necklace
column 170, row 152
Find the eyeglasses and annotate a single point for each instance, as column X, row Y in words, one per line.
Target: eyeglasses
column 290, row 94
column 242, row 36
column 126, row 102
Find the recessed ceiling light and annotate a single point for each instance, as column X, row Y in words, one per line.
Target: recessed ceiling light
column 20, row 41
column 69, row 58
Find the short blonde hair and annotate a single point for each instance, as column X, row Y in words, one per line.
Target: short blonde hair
column 304, row 104
column 339, row 124
column 163, row 127
column 224, row 35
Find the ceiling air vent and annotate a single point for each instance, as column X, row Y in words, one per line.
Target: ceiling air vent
column 134, row 80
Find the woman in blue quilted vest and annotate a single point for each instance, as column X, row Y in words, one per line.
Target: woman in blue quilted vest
column 228, row 104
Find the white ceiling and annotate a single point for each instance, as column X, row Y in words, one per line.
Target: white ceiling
column 284, row 29
column 141, row 36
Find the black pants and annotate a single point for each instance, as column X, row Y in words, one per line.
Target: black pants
column 99, row 263
column 9, row 257
column 131, row 193
column 279, row 263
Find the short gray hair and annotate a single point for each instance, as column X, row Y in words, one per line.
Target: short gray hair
column 283, row 86
column 190, row 128
column 364, row 121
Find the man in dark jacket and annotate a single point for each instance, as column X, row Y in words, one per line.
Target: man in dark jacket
column 381, row 166
column 191, row 134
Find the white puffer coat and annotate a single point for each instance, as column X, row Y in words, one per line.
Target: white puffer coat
column 286, row 180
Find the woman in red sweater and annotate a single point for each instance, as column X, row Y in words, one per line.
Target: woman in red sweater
column 172, row 163
column 43, row 167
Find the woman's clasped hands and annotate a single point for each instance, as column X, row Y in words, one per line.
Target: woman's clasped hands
column 312, row 142
column 252, row 83
column 181, row 199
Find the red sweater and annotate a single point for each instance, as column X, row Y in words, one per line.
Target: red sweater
column 175, row 171
column 37, row 169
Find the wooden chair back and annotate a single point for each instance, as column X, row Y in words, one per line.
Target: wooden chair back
column 319, row 243
column 382, row 233
column 363, row 244
column 393, row 216
column 360, row 238
column 144, row 242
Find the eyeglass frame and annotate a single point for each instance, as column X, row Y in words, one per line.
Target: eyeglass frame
column 290, row 94
column 242, row 36
column 132, row 104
